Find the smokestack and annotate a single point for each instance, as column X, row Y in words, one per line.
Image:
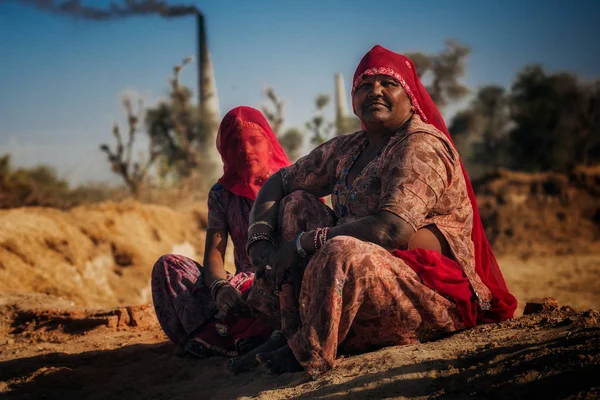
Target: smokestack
column 208, row 102
column 341, row 107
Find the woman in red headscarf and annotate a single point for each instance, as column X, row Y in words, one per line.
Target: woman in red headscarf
column 406, row 259
column 203, row 309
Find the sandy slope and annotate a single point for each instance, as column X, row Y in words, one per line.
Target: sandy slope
column 97, row 255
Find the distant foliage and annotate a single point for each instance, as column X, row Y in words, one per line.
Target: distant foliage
column 274, row 113
column 291, row 141
column 178, row 133
column 446, row 70
column 41, row 186
column 293, row 138
column 547, row 122
column 318, row 125
column 348, row 125
column 178, row 139
column 557, row 121
column 120, row 157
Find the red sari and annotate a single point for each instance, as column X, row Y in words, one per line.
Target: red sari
column 183, row 305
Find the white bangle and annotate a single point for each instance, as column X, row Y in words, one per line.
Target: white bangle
column 301, row 252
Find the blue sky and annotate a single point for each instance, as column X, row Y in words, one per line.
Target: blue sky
column 61, row 78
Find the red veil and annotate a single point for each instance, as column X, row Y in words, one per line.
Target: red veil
column 235, row 141
column 380, row 61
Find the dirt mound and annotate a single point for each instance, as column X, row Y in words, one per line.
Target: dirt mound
column 552, row 354
column 541, row 214
column 99, row 255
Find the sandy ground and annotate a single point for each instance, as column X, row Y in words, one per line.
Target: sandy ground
column 70, row 355
column 571, row 279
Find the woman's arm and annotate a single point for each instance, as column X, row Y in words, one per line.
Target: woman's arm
column 413, row 177
column 383, row 228
column 227, row 298
column 266, row 205
column 265, row 209
column 215, row 247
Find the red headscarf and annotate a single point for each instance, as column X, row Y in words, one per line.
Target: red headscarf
column 232, row 141
column 380, row 61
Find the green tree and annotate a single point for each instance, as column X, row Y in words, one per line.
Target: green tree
column 291, row 141
column 446, row 69
column 274, row 113
column 555, row 121
column 133, row 172
column 318, row 124
column 178, row 133
column 481, row 131
column 37, row 186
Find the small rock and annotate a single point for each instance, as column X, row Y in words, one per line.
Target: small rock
column 567, row 309
column 539, row 305
column 590, row 318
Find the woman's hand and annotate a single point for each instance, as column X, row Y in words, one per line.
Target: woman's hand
column 260, row 254
column 229, row 301
column 281, row 262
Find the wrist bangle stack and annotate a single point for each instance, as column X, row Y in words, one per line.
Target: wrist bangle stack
column 265, row 223
column 257, row 237
column 216, row 285
column 320, row 237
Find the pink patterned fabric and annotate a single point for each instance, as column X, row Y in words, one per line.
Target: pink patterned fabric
column 358, row 296
column 183, row 303
column 186, row 312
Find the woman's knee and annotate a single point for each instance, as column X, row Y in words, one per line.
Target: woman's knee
column 338, row 252
column 341, row 245
column 168, row 263
column 293, row 200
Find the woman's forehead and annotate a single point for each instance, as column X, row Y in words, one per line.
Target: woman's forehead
column 378, row 77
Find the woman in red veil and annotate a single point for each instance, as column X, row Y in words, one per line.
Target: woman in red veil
column 405, row 259
column 203, row 308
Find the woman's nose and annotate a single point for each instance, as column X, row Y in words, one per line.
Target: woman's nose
column 376, row 89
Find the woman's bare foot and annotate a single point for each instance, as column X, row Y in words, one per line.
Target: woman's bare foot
column 248, row 361
column 280, row 361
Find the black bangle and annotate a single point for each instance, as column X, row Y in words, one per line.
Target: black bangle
column 216, row 285
column 257, row 237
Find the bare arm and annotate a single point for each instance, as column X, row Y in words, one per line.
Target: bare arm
column 214, row 256
column 266, row 205
column 383, row 228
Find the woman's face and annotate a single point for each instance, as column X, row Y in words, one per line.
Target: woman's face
column 251, row 152
column 380, row 100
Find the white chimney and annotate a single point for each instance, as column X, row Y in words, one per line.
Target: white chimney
column 341, row 106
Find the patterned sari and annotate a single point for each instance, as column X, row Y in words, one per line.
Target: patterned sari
column 355, row 296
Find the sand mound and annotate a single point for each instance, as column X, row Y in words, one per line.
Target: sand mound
column 54, row 354
column 97, row 255
column 541, row 214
